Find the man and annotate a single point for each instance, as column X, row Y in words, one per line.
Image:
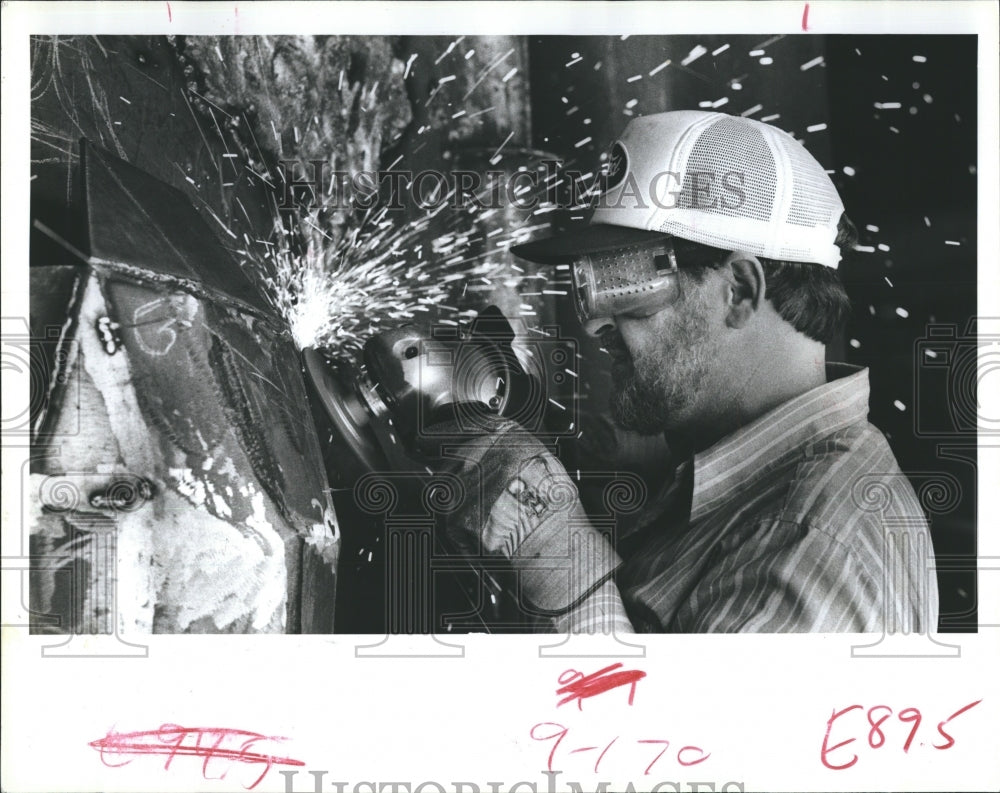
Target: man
column 709, row 272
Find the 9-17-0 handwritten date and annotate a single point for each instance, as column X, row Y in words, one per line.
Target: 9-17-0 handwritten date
column 575, row 687
column 848, row 724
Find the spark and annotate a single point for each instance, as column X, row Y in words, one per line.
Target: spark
column 816, row 128
column 902, row 312
column 660, row 68
column 448, row 51
column 952, row 242
column 486, row 71
column 817, row 61
column 409, row 63
column 496, row 155
column 855, row 344
column 751, row 110
column 219, row 221
column 770, row 118
column 898, row 405
column 694, row 55
column 920, row 59
column 720, row 50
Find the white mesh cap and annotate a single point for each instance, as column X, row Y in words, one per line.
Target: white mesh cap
column 724, row 181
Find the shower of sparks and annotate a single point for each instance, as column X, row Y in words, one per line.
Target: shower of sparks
column 335, row 295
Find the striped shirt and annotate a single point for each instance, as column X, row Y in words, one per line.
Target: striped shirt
column 800, row 521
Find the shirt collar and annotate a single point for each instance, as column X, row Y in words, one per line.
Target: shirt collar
column 737, row 462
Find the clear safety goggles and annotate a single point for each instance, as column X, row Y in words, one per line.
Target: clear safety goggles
column 636, row 280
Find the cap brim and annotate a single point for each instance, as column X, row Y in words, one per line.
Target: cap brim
column 586, row 239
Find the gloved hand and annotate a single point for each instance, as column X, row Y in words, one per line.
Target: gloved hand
column 519, row 503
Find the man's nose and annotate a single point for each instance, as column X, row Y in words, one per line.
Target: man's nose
column 599, row 325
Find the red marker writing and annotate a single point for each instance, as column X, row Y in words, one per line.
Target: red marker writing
column 220, row 744
column 578, row 686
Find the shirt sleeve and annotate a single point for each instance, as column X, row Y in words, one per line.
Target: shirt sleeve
column 785, row 578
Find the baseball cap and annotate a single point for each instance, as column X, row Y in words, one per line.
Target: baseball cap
column 725, row 181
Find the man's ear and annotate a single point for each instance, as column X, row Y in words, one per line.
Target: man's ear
column 746, row 293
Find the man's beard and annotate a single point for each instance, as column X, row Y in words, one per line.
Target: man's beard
column 653, row 391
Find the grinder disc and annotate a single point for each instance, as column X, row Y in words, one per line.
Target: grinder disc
column 350, row 423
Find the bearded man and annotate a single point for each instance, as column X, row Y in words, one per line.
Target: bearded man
column 709, row 271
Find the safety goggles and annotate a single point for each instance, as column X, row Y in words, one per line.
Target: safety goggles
column 636, row 280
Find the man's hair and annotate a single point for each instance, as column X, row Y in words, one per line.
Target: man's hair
column 810, row 297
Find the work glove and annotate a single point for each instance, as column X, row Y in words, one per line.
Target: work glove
column 519, row 503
